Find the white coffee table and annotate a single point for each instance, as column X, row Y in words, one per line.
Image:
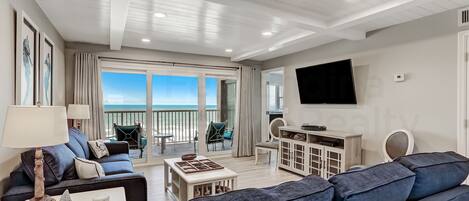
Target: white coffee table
column 184, row 186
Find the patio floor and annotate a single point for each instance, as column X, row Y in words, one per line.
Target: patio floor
column 178, row 149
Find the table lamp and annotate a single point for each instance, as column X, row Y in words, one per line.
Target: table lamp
column 35, row 127
column 78, row 112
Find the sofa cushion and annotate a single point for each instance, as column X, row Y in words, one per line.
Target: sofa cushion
column 435, row 172
column 58, row 164
column 459, row 193
column 113, row 158
column 311, row 188
column 117, row 167
column 78, row 143
column 383, row 182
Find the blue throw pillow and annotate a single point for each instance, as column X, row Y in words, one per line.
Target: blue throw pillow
column 78, row 143
column 383, row 182
column 435, row 172
column 311, row 188
column 58, row 164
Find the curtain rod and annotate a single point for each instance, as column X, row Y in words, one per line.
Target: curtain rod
column 140, row 61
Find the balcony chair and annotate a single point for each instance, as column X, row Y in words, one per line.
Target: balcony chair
column 215, row 134
column 272, row 144
column 131, row 134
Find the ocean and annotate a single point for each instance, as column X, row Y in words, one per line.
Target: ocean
column 155, row 107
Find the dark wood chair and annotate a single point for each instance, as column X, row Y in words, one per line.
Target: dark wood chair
column 132, row 134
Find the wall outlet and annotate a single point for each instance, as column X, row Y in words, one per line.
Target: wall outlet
column 399, row 77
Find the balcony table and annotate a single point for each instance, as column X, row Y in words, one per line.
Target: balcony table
column 163, row 137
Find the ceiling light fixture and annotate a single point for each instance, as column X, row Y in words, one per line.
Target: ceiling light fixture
column 266, row 33
column 160, row 15
column 228, row 50
column 146, row 40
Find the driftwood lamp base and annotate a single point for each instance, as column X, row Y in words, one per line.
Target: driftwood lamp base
column 39, row 177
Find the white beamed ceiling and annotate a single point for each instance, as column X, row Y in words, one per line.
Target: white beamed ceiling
column 209, row 27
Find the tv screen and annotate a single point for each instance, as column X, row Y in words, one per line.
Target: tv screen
column 330, row 83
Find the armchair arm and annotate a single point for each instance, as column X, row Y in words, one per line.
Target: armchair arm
column 117, row 147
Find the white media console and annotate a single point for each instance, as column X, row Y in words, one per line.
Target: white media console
column 311, row 152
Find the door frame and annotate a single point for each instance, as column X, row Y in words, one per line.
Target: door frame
column 150, row 70
column 264, row 106
column 462, row 105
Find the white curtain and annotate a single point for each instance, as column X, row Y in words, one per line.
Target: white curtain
column 88, row 91
column 248, row 131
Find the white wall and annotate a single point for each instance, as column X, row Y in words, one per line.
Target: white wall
column 425, row 49
column 9, row 158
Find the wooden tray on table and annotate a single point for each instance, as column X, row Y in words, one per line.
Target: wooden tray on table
column 194, row 166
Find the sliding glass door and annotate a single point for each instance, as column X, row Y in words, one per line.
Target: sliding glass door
column 220, row 112
column 125, row 98
column 174, row 106
column 175, row 115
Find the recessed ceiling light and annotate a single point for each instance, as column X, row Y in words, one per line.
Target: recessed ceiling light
column 266, row 33
column 146, row 40
column 228, row 50
column 160, row 15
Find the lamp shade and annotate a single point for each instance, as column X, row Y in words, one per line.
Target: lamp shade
column 33, row 126
column 76, row 111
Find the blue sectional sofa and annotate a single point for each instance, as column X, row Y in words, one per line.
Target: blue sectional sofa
column 60, row 174
column 417, row 177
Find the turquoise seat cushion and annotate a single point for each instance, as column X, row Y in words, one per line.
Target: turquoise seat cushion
column 143, row 141
column 228, row 134
column 383, row 182
column 435, row 172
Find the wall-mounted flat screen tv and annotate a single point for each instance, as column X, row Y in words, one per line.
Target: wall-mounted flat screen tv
column 330, row 83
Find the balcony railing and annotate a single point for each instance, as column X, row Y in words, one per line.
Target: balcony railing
column 180, row 123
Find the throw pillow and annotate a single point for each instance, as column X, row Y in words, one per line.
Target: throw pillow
column 58, row 164
column 87, row 169
column 98, row 148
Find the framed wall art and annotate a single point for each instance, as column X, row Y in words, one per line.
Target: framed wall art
column 46, row 70
column 27, row 41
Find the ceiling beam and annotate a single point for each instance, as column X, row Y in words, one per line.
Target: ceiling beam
column 119, row 12
column 263, row 49
column 383, row 9
column 339, row 28
column 301, row 18
column 278, row 9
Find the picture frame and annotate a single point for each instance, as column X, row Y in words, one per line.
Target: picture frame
column 46, row 70
column 27, row 57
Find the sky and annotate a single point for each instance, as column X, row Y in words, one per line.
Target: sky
column 130, row 89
